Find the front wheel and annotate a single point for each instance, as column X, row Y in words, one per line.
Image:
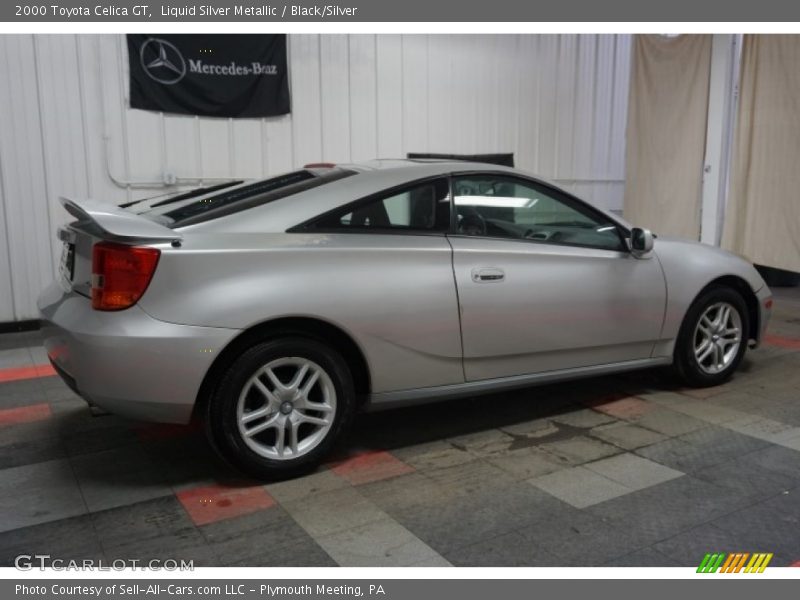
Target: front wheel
column 281, row 406
column 713, row 338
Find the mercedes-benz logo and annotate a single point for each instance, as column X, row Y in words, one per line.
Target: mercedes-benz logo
column 162, row 61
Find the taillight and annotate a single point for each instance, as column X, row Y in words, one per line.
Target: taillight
column 121, row 274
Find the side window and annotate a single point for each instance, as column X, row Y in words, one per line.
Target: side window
column 423, row 207
column 491, row 206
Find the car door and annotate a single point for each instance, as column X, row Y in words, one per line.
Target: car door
column 545, row 282
column 391, row 287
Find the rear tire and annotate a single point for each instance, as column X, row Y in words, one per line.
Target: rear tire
column 280, row 407
column 712, row 339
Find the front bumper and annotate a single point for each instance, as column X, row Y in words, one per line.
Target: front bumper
column 764, row 297
column 127, row 362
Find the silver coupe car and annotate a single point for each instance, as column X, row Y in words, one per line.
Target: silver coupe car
column 276, row 309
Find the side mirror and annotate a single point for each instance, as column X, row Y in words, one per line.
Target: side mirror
column 641, row 241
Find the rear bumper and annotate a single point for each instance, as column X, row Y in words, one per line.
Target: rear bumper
column 127, row 362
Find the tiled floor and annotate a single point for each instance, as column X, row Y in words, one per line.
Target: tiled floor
column 628, row 470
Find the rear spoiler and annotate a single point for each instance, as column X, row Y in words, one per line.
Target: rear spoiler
column 117, row 224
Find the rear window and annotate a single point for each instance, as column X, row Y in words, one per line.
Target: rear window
column 243, row 197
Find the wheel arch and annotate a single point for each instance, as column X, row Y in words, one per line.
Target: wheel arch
column 751, row 301
column 308, row 327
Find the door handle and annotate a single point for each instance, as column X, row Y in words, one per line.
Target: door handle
column 488, row 275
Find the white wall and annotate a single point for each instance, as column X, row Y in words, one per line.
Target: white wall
column 558, row 102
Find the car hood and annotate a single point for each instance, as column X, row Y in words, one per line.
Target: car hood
column 704, row 261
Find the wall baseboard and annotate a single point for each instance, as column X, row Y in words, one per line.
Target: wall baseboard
column 17, row 326
column 778, row 277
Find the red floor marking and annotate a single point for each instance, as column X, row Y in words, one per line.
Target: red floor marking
column 621, row 407
column 781, row 341
column 31, row 372
column 370, row 466
column 701, row 393
column 214, row 503
column 25, row 414
column 795, row 564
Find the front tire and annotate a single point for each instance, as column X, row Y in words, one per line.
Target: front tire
column 281, row 407
column 713, row 338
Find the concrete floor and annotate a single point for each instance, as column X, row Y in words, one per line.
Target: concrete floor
column 618, row 471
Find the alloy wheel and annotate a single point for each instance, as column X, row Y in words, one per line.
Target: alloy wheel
column 286, row 408
column 717, row 337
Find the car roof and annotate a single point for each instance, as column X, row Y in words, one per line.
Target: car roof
column 372, row 177
column 389, row 169
column 367, row 178
column 400, row 163
column 429, row 166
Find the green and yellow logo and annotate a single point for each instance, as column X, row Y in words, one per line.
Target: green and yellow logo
column 721, row 562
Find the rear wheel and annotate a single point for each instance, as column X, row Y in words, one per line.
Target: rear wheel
column 713, row 338
column 281, row 406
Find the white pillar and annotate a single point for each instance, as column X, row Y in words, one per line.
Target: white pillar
column 722, row 94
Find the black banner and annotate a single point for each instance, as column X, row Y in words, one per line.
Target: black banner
column 209, row 75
